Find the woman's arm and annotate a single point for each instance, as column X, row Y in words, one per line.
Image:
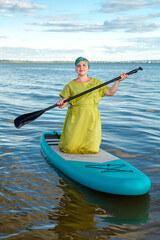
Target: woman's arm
column 111, row 91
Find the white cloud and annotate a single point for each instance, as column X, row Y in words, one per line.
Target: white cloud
column 131, row 24
column 55, row 26
column 127, row 24
column 138, row 48
column 60, row 17
column 22, row 53
column 45, row 35
column 17, row 6
column 8, row 15
column 133, row 48
column 4, row 37
column 125, row 5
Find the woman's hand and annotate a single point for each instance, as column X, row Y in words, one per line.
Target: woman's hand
column 123, row 76
column 61, row 103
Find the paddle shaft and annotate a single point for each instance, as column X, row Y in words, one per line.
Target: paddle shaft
column 94, row 88
column 28, row 117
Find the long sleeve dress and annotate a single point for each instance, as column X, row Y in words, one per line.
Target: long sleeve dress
column 82, row 126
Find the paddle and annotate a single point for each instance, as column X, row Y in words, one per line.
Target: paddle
column 28, row 117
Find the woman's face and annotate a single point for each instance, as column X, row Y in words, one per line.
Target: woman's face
column 82, row 68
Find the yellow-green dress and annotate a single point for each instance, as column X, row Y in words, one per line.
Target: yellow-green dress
column 82, row 126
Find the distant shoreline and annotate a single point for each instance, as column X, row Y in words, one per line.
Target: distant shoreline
column 25, row 61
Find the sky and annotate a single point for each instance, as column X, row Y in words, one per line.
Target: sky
column 52, row 30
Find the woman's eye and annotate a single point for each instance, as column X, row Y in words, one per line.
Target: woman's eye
column 84, row 65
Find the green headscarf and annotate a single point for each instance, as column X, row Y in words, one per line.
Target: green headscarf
column 82, row 59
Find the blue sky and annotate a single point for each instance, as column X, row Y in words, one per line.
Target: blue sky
column 113, row 30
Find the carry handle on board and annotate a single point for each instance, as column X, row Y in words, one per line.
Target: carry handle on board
column 28, row 117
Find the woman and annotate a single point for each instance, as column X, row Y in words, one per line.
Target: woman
column 82, row 126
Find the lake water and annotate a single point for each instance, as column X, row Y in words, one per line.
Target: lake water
column 38, row 201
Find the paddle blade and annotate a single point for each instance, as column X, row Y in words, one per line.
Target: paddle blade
column 27, row 118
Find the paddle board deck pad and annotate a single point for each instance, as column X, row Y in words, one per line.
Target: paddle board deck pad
column 101, row 172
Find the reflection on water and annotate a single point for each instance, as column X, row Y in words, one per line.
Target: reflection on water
column 121, row 154
column 86, row 210
column 33, row 201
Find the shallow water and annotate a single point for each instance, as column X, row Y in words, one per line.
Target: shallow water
column 38, row 201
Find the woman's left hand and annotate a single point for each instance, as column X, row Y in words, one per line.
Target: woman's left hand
column 123, row 76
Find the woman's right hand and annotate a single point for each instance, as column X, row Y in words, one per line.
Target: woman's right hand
column 61, row 103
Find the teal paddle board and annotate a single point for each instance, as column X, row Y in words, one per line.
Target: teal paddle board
column 101, row 172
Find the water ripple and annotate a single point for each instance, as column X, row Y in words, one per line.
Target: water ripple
column 39, row 202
